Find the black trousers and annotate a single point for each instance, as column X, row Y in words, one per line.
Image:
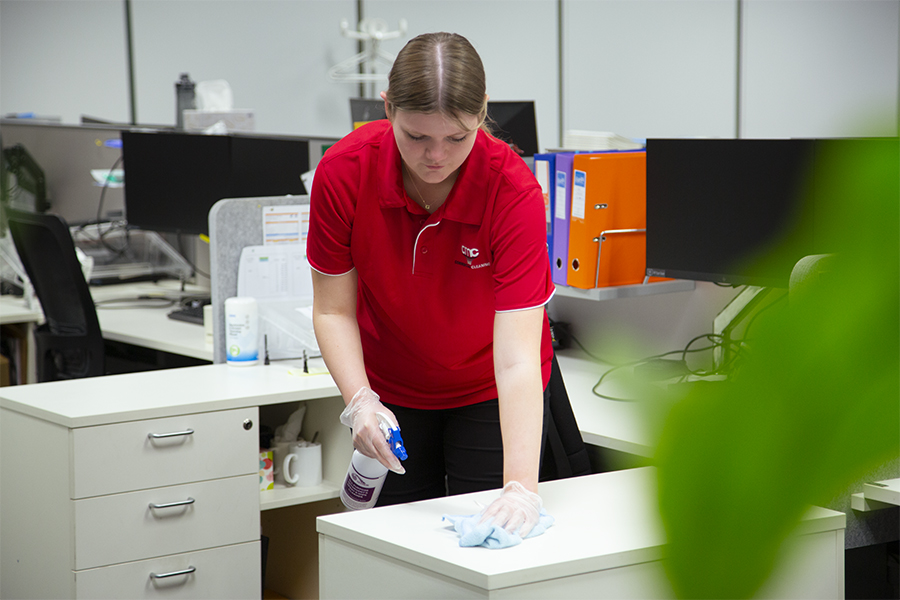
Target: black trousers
column 451, row 451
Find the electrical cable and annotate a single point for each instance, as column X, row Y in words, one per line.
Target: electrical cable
column 683, row 352
column 103, row 188
column 136, row 302
column 586, row 351
column 760, row 312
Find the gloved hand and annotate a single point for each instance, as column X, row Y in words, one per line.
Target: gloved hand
column 515, row 508
column 360, row 417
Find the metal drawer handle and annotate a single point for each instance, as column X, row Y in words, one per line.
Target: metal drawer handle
column 187, row 571
column 156, row 436
column 171, row 504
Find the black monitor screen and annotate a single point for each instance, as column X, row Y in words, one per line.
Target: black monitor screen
column 514, row 122
column 716, row 205
column 173, row 179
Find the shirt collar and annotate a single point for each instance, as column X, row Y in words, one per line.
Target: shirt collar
column 467, row 200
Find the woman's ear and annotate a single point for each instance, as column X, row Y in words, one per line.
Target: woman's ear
column 387, row 105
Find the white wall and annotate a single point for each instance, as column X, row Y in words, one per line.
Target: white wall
column 653, row 68
column 63, row 58
column 820, row 69
column 274, row 55
column 517, row 41
column 644, row 68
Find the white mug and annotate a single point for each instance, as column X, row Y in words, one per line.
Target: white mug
column 303, row 464
column 279, row 452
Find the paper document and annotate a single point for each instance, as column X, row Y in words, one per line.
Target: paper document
column 278, row 276
column 274, row 272
column 286, row 224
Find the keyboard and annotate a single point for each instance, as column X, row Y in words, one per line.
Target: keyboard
column 190, row 314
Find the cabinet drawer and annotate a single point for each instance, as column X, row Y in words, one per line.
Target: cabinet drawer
column 228, row 572
column 124, row 527
column 108, row 459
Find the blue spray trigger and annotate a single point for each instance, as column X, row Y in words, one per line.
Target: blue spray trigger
column 392, row 435
column 396, row 443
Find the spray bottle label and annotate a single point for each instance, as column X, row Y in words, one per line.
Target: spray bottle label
column 359, row 487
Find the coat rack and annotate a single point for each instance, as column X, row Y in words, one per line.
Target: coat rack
column 371, row 32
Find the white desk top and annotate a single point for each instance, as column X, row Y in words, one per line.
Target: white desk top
column 607, row 423
column 137, row 323
column 625, row 426
column 148, row 326
column 887, row 491
column 13, row 310
column 163, row 393
column 602, row 521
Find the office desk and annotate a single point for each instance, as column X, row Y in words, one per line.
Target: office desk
column 15, row 311
column 622, row 426
column 71, row 432
column 607, row 542
column 75, row 456
column 141, row 324
column 135, row 323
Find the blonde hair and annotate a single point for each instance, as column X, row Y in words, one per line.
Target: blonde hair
column 438, row 73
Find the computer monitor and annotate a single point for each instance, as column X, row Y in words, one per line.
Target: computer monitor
column 512, row 121
column 715, row 206
column 76, row 160
column 172, row 179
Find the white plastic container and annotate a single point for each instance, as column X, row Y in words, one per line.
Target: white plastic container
column 365, row 476
column 241, row 331
column 363, row 483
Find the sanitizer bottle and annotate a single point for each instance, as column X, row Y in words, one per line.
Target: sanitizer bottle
column 365, row 476
column 241, row 331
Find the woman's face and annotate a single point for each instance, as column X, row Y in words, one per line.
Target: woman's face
column 433, row 145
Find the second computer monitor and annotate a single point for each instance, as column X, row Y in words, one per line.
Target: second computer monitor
column 512, row 121
column 172, row 179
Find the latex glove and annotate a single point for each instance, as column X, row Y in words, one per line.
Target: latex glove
column 515, row 508
column 360, row 417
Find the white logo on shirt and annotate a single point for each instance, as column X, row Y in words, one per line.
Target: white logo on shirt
column 470, row 253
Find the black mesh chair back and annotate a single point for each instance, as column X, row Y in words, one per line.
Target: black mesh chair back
column 69, row 344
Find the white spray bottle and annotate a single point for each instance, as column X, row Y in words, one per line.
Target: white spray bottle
column 365, row 476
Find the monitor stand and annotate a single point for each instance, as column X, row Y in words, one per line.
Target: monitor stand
column 733, row 318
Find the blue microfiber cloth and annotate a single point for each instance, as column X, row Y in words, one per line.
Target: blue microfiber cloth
column 472, row 533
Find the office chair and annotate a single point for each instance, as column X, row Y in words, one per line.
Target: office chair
column 69, row 344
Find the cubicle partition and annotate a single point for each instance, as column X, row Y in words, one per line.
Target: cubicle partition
column 233, row 224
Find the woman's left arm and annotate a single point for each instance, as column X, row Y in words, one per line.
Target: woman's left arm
column 517, row 369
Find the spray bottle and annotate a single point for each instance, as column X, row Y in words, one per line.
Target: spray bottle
column 365, row 476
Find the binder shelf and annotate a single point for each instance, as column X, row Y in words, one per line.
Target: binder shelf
column 626, row 291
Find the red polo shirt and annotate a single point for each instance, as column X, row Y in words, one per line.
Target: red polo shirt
column 429, row 285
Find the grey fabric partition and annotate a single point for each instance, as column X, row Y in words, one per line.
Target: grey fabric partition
column 233, row 224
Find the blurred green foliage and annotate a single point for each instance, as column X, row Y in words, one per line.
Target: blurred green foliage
column 814, row 405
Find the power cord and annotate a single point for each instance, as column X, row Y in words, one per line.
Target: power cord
column 716, row 341
column 136, row 302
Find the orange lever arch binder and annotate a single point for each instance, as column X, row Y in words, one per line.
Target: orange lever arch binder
column 607, row 239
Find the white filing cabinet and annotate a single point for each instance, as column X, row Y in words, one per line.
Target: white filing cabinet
column 607, row 542
column 152, row 508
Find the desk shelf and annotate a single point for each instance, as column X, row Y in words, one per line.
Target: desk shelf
column 284, row 495
column 627, row 291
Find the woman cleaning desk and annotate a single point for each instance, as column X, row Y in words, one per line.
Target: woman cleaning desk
column 428, row 242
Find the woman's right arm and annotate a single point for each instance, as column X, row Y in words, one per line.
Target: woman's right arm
column 337, row 333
